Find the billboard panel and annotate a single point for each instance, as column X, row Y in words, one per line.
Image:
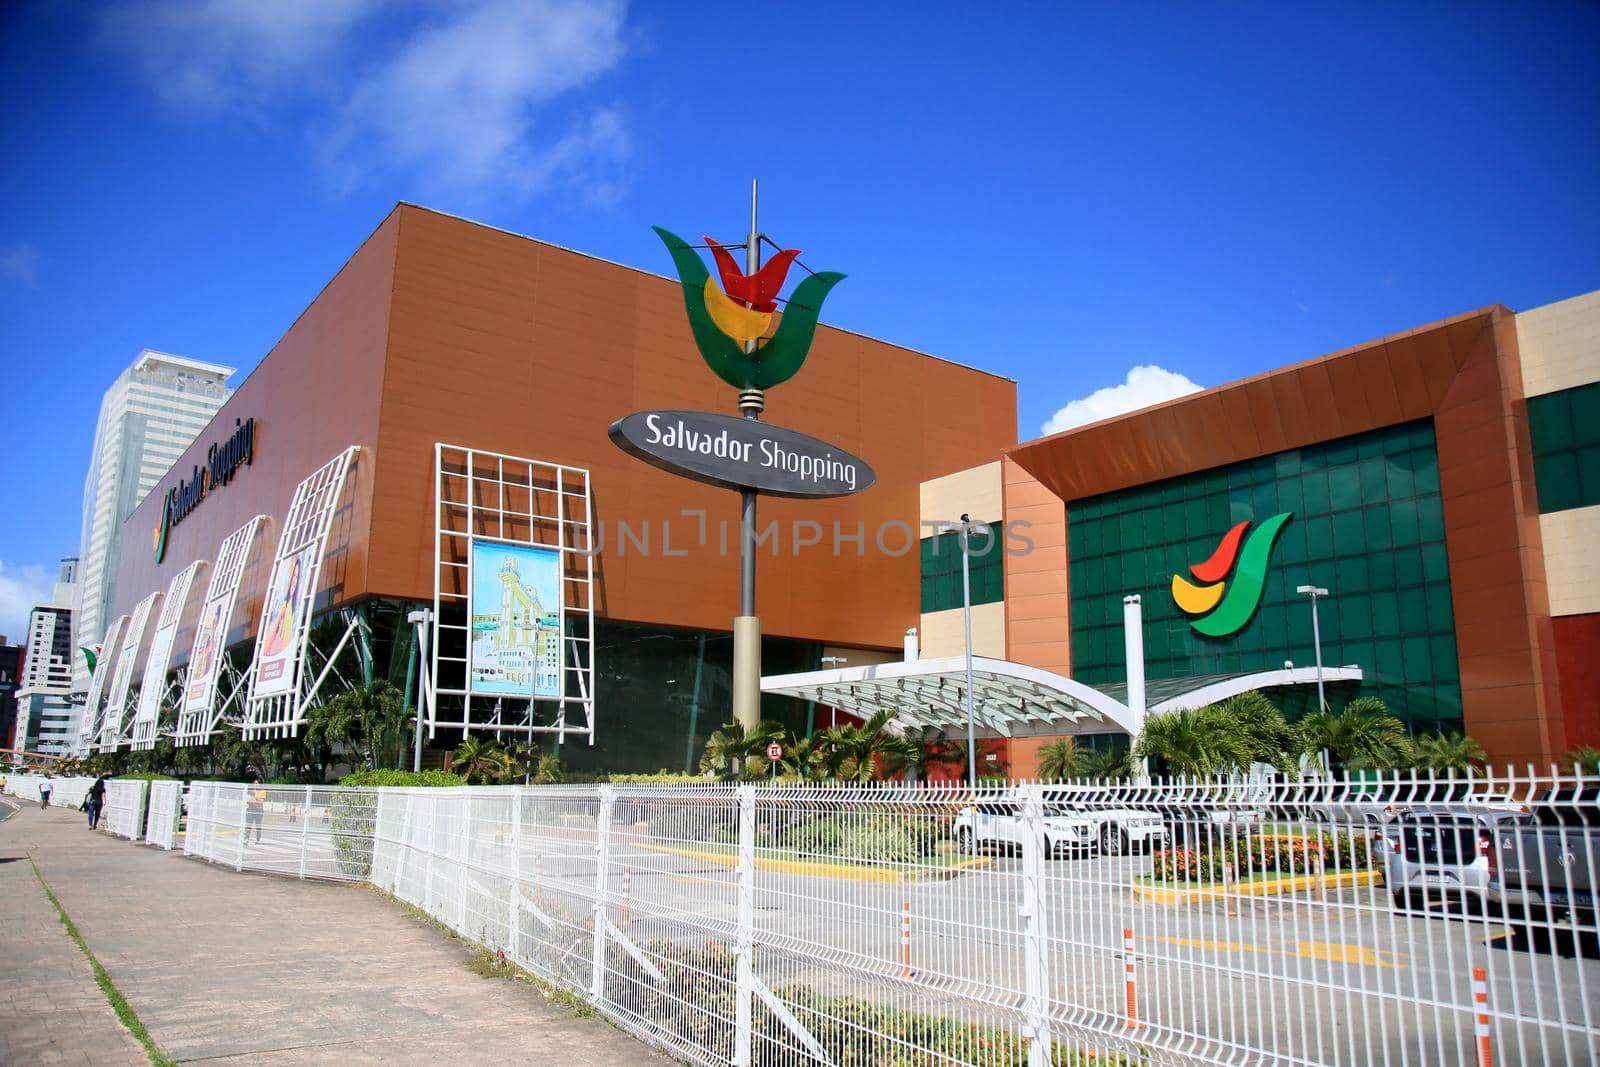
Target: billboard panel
column 284, row 617
column 516, row 620
column 122, row 677
column 90, row 731
column 211, row 630
column 154, row 684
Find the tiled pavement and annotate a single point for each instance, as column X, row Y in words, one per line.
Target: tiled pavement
column 248, row 969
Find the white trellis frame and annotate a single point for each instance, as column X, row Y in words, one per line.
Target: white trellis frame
column 114, row 724
column 200, row 711
column 491, row 497
column 89, row 731
column 153, row 686
column 277, row 712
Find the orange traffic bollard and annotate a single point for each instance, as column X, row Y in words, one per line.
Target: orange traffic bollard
column 905, row 939
column 1127, row 966
column 1480, row 998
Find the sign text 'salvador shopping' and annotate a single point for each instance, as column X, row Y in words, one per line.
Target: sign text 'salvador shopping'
column 737, row 453
column 223, row 459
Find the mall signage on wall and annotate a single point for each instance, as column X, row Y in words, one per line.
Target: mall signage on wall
column 1220, row 606
column 223, row 460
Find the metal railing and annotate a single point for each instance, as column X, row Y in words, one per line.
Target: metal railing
column 125, row 807
column 166, row 813
column 302, row 830
column 1419, row 921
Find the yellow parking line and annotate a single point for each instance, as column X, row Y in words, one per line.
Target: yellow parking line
column 1314, row 950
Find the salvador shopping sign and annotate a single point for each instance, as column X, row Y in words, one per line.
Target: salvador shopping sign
column 742, row 452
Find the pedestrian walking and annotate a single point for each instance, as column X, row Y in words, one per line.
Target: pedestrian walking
column 46, row 787
column 255, row 808
column 96, row 801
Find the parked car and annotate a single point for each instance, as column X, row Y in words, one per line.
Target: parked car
column 1353, row 804
column 1547, row 862
column 997, row 823
column 1447, row 852
column 1118, row 830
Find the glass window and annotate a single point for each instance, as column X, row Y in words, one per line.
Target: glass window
column 1565, row 431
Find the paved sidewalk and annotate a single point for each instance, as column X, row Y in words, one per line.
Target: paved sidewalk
column 249, row 969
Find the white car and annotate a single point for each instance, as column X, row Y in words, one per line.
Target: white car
column 996, row 823
column 1117, row 830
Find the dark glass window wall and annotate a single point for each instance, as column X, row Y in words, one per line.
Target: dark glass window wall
column 1368, row 525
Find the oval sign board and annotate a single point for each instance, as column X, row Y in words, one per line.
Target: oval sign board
column 738, row 453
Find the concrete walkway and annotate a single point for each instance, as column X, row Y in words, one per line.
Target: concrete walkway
column 248, row 969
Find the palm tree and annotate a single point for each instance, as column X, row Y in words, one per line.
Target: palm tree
column 1262, row 725
column 1451, row 752
column 731, row 753
column 1363, row 730
column 1196, row 742
column 1102, row 763
column 1058, row 759
column 481, row 760
column 858, row 749
column 374, row 715
column 1584, row 759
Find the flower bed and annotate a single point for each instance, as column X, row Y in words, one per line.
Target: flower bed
column 1263, row 854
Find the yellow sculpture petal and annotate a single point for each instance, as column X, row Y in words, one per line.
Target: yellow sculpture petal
column 732, row 317
column 1196, row 599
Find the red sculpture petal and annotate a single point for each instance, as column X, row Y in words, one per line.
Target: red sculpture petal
column 1216, row 568
column 758, row 291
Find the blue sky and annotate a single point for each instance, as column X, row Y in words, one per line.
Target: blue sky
column 1060, row 195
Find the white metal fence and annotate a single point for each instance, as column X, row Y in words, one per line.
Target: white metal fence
column 125, row 807
column 166, row 812
column 67, row 792
column 306, row 831
column 1166, row 923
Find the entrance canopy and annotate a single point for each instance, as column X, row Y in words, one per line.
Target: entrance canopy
column 1014, row 699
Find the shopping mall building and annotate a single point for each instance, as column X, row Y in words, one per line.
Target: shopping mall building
column 1441, row 485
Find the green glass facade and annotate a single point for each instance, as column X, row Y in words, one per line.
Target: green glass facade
column 1565, row 427
column 941, row 569
column 1367, row 524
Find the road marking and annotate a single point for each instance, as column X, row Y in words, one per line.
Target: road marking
column 1314, row 950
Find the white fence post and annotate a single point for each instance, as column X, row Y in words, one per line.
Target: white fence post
column 747, row 918
column 602, row 839
column 244, row 806
column 514, row 897
column 305, row 823
column 1032, row 911
column 464, row 854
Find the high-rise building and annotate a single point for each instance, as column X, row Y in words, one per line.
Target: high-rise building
column 11, row 657
column 47, row 719
column 151, row 413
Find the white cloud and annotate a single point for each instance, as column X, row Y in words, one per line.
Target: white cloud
column 217, row 54
column 21, row 262
column 460, row 98
column 476, row 94
column 20, row 589
column 1145, row 385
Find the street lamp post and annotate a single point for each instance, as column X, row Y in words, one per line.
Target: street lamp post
column 1316, row 593
column 966, row 623
column 420, row 620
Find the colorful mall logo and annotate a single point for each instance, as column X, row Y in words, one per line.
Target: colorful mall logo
column 1221, row 608
column 724, row 323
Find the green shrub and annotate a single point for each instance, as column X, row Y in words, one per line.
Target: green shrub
column 144, row 776
column 403, row 778
column 864, row 836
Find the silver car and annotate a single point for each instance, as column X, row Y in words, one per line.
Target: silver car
column 1445, row 853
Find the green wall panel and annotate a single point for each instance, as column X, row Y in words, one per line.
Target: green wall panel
column 1367, row 524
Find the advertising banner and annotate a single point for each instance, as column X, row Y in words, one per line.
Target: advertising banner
column 516, row 621
column 122, row 677
column 153, row 687
column 99, row 674
column 216, row 612
column 284, row 617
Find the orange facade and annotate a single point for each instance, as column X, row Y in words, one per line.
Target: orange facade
column 439, row 329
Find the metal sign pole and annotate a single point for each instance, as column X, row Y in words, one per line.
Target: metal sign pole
column 747, row 627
